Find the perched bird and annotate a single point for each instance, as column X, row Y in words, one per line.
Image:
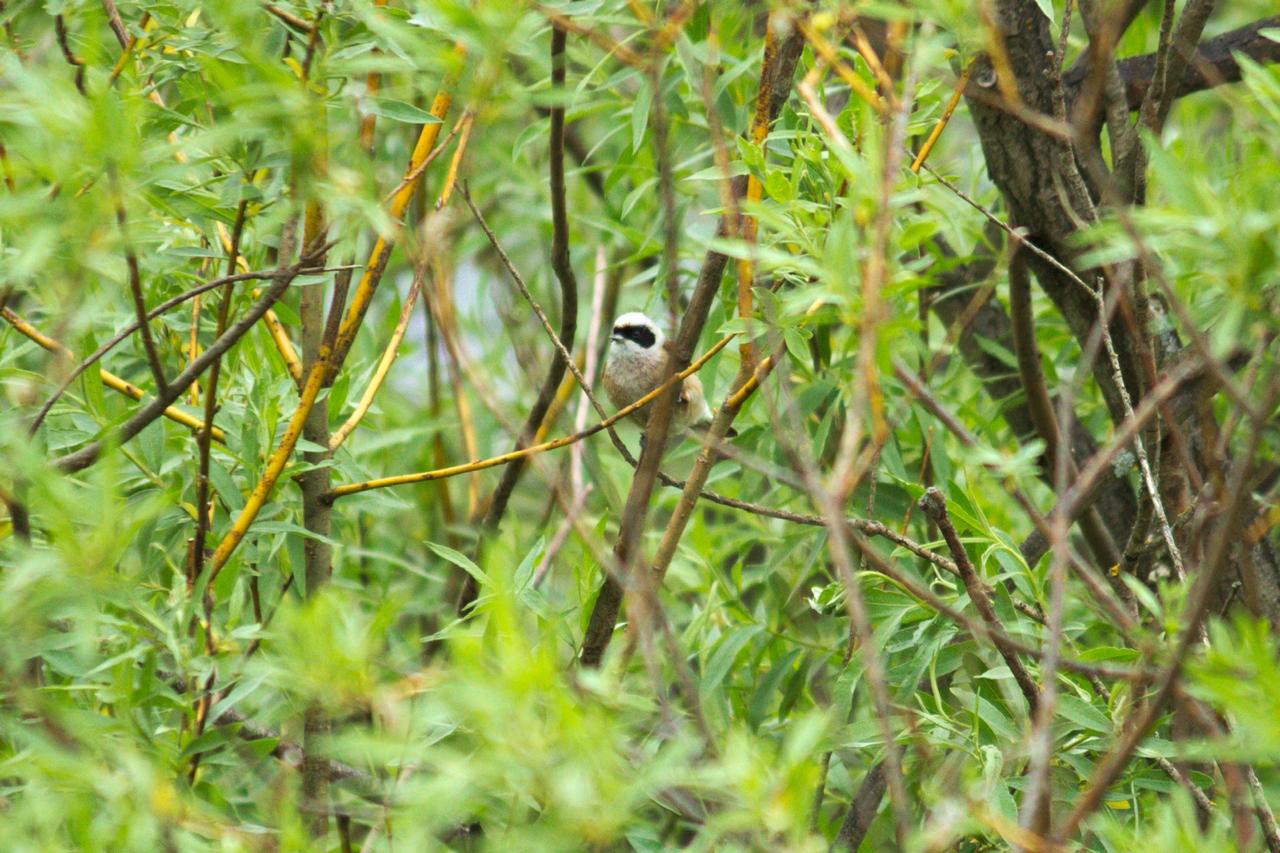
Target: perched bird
column 634, row 367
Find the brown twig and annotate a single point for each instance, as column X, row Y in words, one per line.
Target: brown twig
column 86, row 456
column 288, row 19
column 135, row 289
column 203, row 509
column 775, row 75
column 862, row 810
column 60, row 29
column 1144, row 715
column 301, row 268
column 935, row 506
column 117, row 24
column 563, row 268
column 1040, row 407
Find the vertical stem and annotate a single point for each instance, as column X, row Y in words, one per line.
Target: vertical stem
column 317, row 553
column 204, row 506
column 135, row 289
column 776, row 75
column 316, row 518
column 211, row 408
column 563, row 269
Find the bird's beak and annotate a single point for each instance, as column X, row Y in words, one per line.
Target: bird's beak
column 616, row 338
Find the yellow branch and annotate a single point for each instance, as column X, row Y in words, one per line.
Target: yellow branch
column 451, row 177
column 330, row 354
column 755, row 191
column 275, row 465
column 399, row 203
column 560, row 400
column 942, row 122
column 380, row 374
column 481, row 464
column 108, row 378
column 279, row 333
column 873, row 60
column 372, row 83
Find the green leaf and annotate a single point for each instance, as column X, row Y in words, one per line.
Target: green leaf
column 460, row 560
column 723, row 657
column 400, row 111
column 1082, row 713
column 640, row 115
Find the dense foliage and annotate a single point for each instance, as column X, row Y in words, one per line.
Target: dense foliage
column 909, row 620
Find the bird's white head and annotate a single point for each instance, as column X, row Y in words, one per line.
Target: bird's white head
column 634, row 333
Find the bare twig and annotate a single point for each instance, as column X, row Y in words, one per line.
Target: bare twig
column 563, row 268
column 117, row 24
column 1191, row 620
column 935, row 506
column 301, row 268
column 384, row 364
column 203, row 519
column 135, row 289
column 60, row 29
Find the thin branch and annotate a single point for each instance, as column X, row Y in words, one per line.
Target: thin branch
column 465, row 123
column 1270, row 831
column 943, row 120
column 1040, row 406
column 416, row 172
column 984, row 632
column 935, row 506
column 109, row 379
column 279, row 458
column 89, row 454
column 862, row 810
column 279, row 334
column 384, row 364
column 110, row 343
column 64, row 42
column 776, row 75
column 856, row 84
column 288, row 19
column 744, row 385
column 531, row 450
column 1195, row 14
column 563, row 268
column 1101, row 593
column 135, row 289
column 203, row 510
column 117, row 24
column 381, row 253
column 1234, row 494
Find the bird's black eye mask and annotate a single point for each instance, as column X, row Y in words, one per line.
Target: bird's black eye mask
column 641, row 335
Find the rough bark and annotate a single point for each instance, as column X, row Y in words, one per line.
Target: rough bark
column 1045, row 192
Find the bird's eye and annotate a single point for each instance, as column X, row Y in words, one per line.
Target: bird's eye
column 642, row 336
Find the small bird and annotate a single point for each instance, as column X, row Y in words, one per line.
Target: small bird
column 635, row 366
